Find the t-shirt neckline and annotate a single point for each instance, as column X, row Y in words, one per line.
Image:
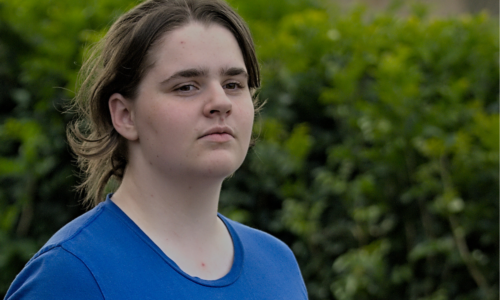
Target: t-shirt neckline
column 226, row 280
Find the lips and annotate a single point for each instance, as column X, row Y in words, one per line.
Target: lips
column 218, row 131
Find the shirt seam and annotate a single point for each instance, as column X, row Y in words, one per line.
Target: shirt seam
column 182, row 273
column 76, row 233
column 72, row 254
column 87, row 267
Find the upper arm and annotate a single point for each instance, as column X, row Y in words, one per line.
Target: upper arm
column 56, row 274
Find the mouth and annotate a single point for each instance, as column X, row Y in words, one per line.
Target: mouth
column 221, row 133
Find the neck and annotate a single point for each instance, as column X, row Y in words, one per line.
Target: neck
column 179, row 214
column 170, row 206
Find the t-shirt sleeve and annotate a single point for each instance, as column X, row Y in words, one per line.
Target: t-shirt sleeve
column 55, row 274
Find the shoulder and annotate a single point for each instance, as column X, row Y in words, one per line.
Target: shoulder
column 257, row 241
column 253, row 235
column 72, row 229
column 54, row 274
column 269, row 259
column 56, row 271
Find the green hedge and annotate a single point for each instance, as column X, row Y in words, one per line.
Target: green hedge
column 378, row 154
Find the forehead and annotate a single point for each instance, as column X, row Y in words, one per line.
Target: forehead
column 197, row 45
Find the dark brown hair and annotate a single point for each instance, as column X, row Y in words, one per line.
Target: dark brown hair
column 118, row 63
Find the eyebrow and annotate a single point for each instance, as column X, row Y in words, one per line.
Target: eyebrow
column 233, row 72
column 193, row 72
column 188, row 73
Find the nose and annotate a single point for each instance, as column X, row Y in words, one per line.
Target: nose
column 218, row 103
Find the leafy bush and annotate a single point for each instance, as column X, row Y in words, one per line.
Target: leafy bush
column 378, row 155
column 377, row 160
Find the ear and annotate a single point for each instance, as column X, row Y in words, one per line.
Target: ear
column 122, row 116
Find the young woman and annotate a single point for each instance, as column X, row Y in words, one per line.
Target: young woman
column 166, row 109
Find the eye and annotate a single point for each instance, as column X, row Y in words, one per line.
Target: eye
column 233, row 86
column 186, row 88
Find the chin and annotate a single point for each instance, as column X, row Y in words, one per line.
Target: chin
column 222, row 168
column 220, row 172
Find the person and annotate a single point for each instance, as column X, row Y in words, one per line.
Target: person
column 166, row 109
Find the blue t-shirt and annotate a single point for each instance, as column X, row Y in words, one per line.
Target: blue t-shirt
column 103, row 254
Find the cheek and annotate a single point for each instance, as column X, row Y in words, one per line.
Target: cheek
column 246, row 117
column 158, row 121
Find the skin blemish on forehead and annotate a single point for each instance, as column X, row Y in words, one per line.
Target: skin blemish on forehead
column 203, row 265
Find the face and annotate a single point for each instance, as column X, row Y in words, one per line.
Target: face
column 193, row 115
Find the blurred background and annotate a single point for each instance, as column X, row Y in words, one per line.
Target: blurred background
column 378, row 151
column 448, row 8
